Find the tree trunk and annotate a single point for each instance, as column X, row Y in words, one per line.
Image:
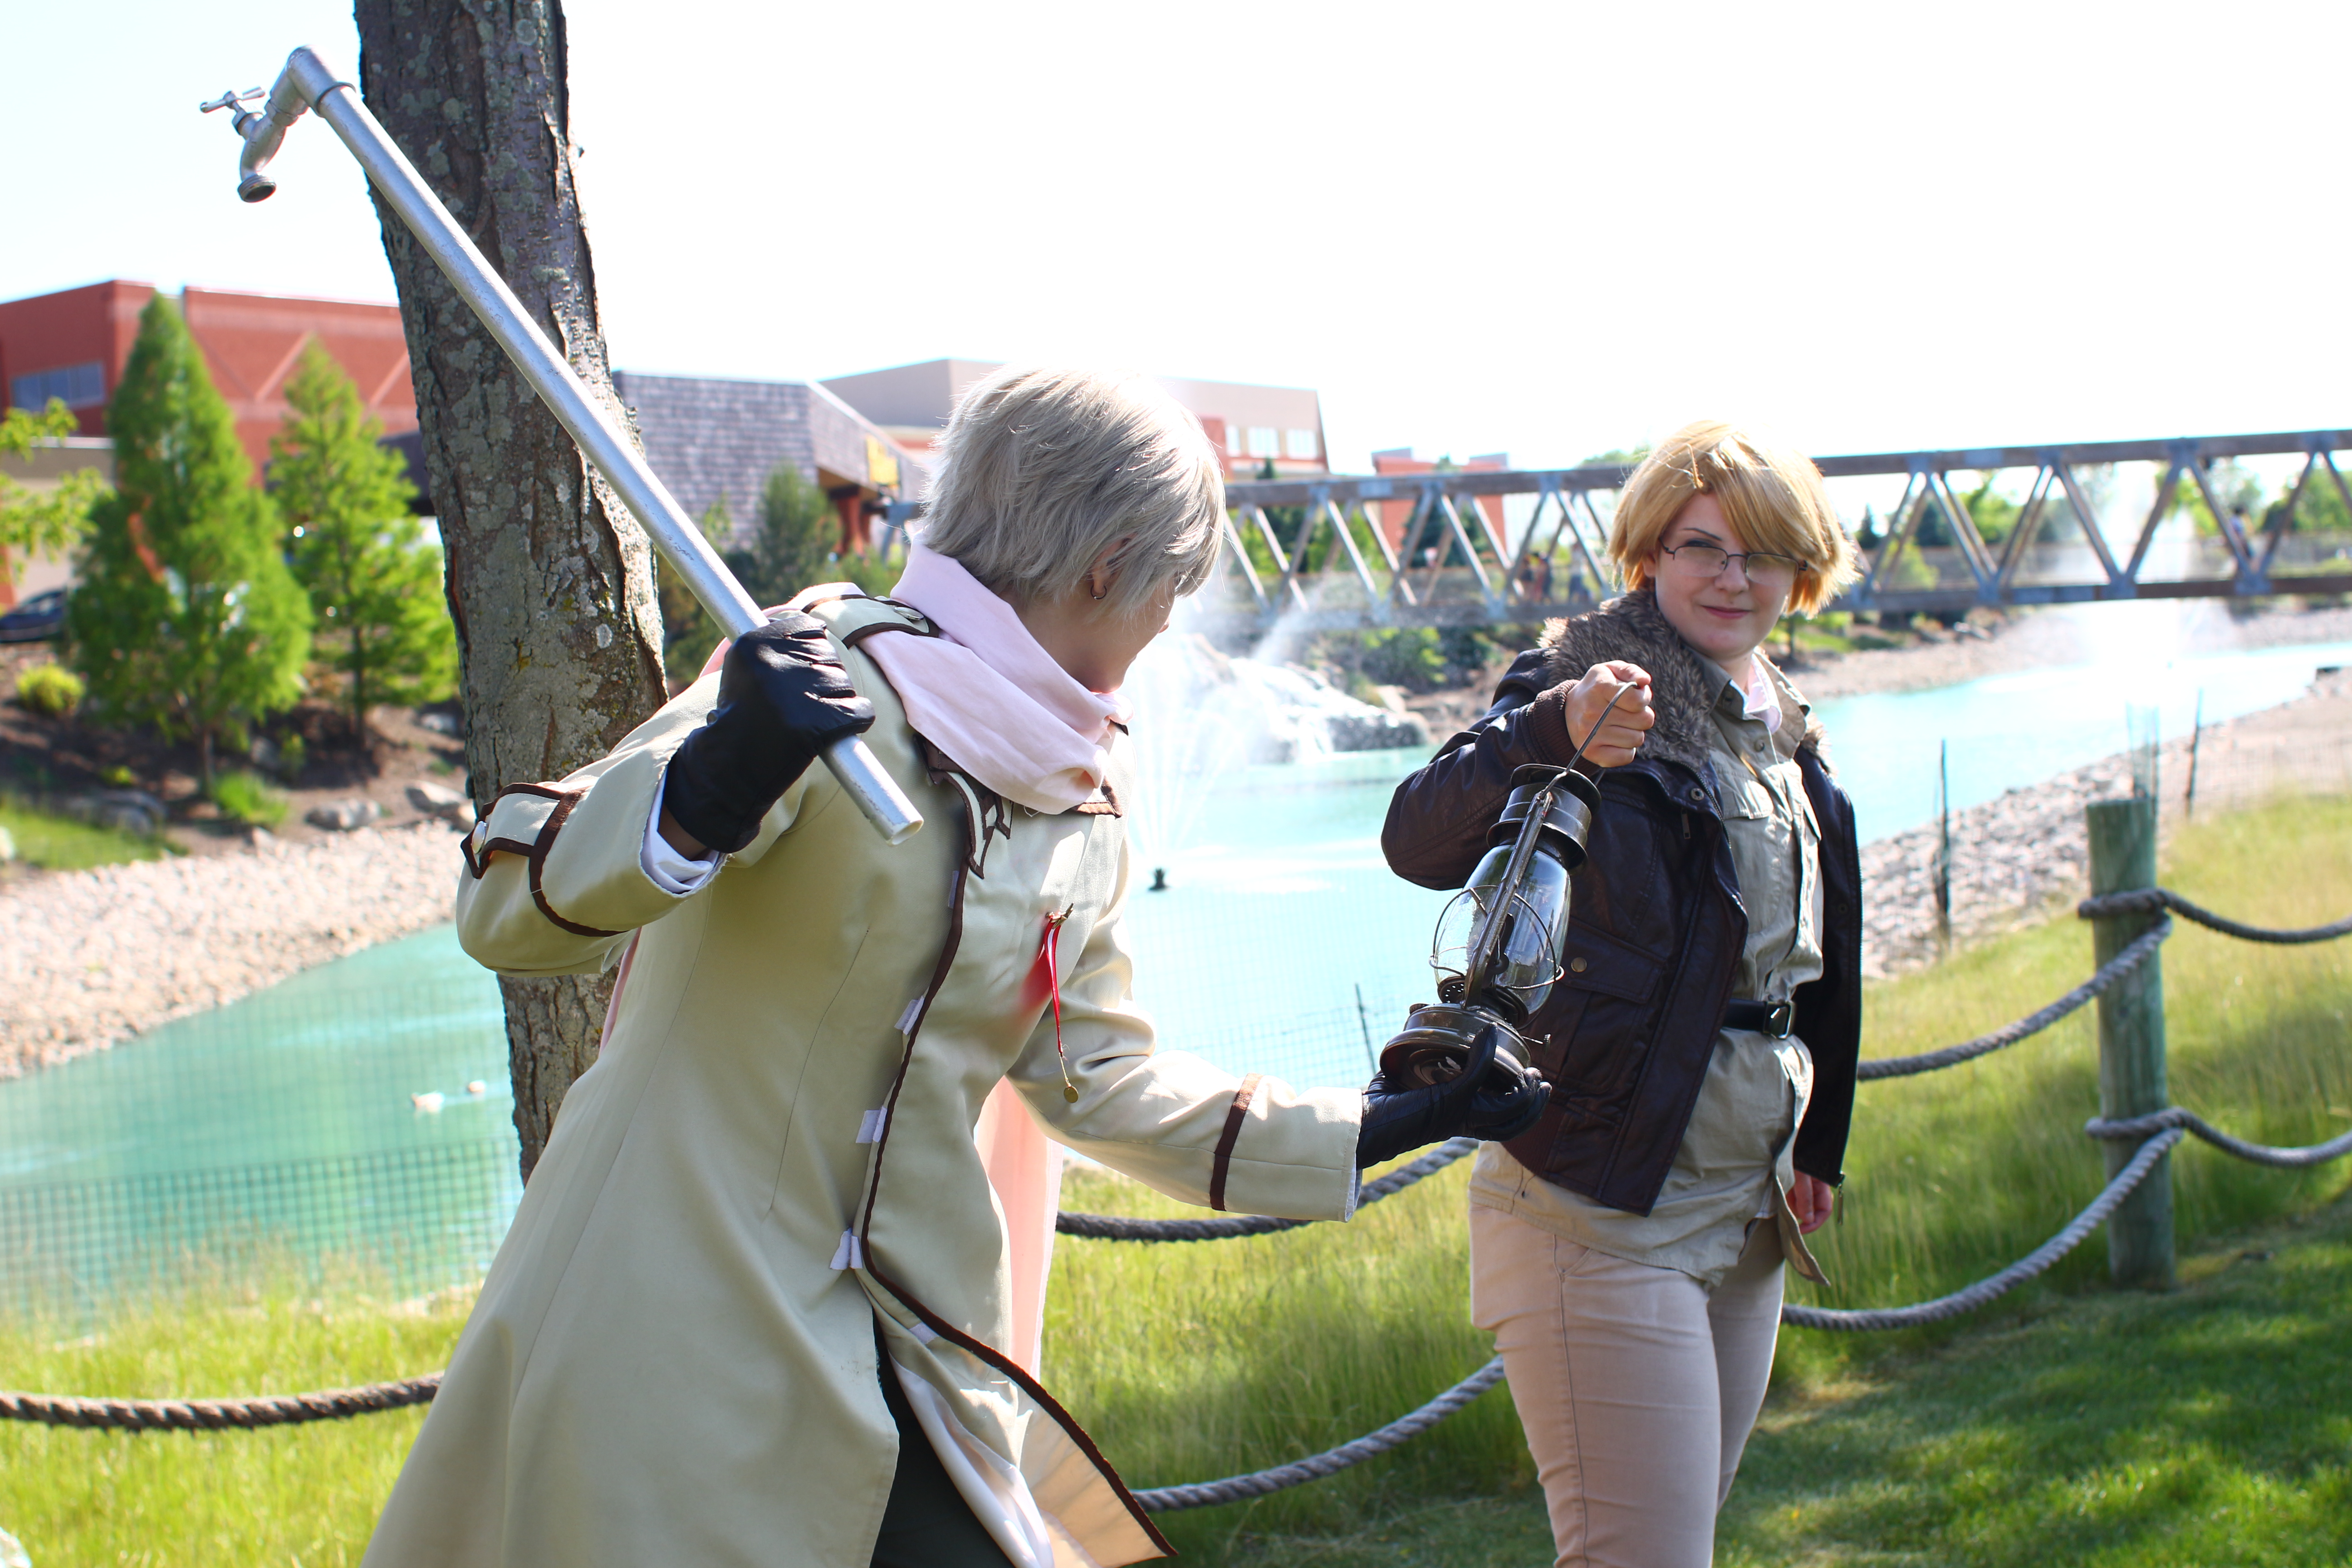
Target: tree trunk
column 550, row 580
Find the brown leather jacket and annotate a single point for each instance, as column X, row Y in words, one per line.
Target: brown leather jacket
column 1656, row 925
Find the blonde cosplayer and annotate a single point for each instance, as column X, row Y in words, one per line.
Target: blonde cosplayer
column 1771, row 494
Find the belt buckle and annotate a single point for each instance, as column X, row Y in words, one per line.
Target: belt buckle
column 1779, row 1020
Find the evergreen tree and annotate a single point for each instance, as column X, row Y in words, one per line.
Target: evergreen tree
column 185, row 616
column 374, row 584
column 40, row 520
column 793, row 547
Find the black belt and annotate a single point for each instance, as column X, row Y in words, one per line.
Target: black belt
column 1774, row 1019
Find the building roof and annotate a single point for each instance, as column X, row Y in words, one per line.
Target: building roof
column 713, row 440
column 1251, row 424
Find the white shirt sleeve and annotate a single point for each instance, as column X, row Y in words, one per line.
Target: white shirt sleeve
column 668, row 867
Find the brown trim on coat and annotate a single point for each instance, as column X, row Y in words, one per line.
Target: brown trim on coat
column 1234, row 1117
column 907, row 1052
column 1029, row 1385
column 856, row 635
column 986, row 1354
column 1107, row 807
column 534, row 853
column 491, row 847
column 547, row 832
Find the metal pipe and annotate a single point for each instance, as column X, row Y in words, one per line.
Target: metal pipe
column 684, row 550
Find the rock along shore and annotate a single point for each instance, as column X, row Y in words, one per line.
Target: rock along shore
column 2024, row 856
column 89, row 958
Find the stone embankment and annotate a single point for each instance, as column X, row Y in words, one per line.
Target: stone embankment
column 2016, row 858
column 2023, row 855
column 89, row 958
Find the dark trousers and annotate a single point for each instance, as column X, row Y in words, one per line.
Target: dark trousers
column 927, row 1524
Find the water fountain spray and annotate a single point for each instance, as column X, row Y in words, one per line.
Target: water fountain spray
column 307, row 83
column 1497, row 948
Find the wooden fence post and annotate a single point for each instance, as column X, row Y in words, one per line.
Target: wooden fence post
column 2131, row 1039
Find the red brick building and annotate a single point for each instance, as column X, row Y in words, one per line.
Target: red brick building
column 73, row 344
column 1395, row 514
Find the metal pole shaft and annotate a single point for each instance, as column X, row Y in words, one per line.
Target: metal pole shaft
column 2131, row 1039
column 682, row 547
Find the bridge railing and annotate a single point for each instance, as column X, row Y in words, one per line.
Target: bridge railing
column 1432, row 550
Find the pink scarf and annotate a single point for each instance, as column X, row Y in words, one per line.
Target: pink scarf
column 986, row 694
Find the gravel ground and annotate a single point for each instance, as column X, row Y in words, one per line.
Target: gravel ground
column 88, row 958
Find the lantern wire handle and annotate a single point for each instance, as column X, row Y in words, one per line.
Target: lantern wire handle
column 1487, row 936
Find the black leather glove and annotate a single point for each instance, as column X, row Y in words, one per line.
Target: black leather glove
column 782, row 697
column 1487, row 1100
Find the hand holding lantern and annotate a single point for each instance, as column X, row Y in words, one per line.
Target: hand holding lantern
column 1461, row 1066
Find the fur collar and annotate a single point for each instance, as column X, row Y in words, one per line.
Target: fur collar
column 1682, row 685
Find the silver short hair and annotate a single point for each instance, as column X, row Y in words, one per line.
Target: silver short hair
column 1042, row 470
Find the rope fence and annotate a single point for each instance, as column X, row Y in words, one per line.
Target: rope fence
column 1120, row 1227
column 2151, row 901
column 1968, row 1298
column 2157, row 1133
column 218, row 1415
column 2126, row 1129
column 2141, row 949
column 1331, row 1461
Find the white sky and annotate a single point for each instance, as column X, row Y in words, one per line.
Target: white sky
column 1539, row 229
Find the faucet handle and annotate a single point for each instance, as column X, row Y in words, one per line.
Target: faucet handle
column 231, row 100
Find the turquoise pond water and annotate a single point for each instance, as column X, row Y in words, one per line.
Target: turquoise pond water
column 1283, row 944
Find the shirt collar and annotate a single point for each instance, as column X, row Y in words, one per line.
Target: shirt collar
column 1760, row 702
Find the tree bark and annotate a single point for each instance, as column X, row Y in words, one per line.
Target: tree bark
column 549, row 579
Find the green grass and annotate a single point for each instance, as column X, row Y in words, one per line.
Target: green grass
column 304, row 1495
column 2206, row 1426
column 2200, row 1428
column 62, row 844
column 2103, row 1423
column 1201, row 1361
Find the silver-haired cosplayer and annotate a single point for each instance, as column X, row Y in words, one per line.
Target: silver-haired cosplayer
column 759, row 1305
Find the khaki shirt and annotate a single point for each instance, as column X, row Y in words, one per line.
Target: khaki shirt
column 1733, row 1164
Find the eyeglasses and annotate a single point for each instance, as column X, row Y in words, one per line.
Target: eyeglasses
column 1705, row 561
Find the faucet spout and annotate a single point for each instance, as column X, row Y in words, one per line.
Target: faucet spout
column 263, row 130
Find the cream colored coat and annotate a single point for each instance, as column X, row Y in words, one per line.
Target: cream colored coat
column 772, row 1165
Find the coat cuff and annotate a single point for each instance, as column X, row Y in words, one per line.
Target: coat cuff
column 1547, row 726
column 1289, row 1153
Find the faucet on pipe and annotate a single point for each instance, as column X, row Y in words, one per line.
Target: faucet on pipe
column 306, row 82
column 261, row 130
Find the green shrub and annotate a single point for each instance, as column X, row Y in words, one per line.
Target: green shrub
column 50, row 690
column 247, row 799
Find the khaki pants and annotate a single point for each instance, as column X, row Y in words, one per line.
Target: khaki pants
column 1636, row 1385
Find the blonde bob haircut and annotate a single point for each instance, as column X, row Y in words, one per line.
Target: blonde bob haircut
column 1043, row 470
column 1770, row 494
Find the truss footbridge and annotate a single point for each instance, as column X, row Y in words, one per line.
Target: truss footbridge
column 1434, row 550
